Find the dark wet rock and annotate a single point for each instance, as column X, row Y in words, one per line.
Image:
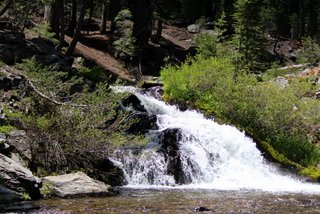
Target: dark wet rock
column 21, row 206
column 19, row 178
column 6, row 54
column 155, row 92
column 11, row 82
column 202, row 209
column 141, row 123
column 4, row 146
column 8, row 196
column 107, row 171
column 169, row 141
column 76, row 88
column 133, row 102
column 75, row 185
column 5, row 83
column 11, row 201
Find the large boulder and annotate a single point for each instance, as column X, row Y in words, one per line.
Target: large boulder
column 132, row 102
column 20, row 141
column 18, row 178
column 11, row 201
column 169, row 140
column 75, row 185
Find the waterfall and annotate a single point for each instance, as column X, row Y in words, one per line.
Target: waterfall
column 211, row 156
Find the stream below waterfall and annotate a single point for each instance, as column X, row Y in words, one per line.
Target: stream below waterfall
column 186, row 201
column 210, row 165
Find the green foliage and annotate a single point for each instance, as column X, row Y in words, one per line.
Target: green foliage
column 44, row 31
column 124, row 43
column 310, row 52
column 202, row 21
column 96, row 73
column 283, row 117
column 206, row 44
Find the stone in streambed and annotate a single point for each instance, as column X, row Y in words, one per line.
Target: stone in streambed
column 75, row 185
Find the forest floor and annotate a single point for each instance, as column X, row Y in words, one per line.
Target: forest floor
column 98, row 47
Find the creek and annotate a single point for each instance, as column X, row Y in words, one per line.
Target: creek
column 209, row 164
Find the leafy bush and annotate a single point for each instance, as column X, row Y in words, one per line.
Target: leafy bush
column 284, row 117
column 206, row 44
column 310, row 52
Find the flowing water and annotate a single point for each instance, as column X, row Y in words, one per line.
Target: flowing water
column 225, row 171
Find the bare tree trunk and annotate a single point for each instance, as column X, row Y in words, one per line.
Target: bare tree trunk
column 51, row 16
column 103, row 26
column 76, row 36
column 6, row 7
column 302, row 24
column 142, row 18
column 313, row 18
column 157, row 36
column 62, row 25
column 90, row 16
column 73, row 22
column 115, row 7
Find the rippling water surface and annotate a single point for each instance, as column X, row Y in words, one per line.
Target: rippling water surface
column 186, row 201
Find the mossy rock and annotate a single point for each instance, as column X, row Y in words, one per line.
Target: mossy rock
column 311, row 172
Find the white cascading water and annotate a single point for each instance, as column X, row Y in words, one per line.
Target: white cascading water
column 213, row 156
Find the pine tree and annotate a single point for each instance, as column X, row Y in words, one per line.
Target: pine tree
column 250, row 34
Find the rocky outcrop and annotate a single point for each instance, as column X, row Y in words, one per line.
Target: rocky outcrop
column 11, row 201
column 75, row 185
column 18, row 178
column 20, row 142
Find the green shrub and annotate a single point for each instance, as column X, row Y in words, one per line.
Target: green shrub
column 283, row 117
column 43, row 30
column 206, row 44
column 310, row 52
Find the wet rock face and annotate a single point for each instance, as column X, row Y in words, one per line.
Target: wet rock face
column 141, row 123
column 108, row 172
column 18, row 178
column 169, row 141
column 11, row 201
column 133, row 102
